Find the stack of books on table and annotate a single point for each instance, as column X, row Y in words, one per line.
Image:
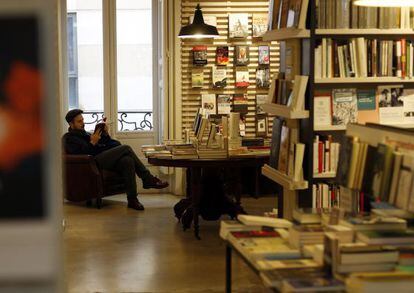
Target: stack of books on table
column 385, row 282
column 303, row 280
column 183, row 151
column 155, row 151
column 212, row 153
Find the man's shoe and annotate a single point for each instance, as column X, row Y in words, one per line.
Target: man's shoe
column 154, row 182
column 134, row 203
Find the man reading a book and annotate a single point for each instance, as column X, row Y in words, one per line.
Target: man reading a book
column 109, row 154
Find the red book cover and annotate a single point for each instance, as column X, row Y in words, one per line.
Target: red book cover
column 403, row 58
column 321, row 155
column 255, row 234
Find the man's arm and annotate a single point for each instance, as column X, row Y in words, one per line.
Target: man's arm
column 77, row 146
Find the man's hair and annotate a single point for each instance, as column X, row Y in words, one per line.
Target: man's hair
column 72, row 114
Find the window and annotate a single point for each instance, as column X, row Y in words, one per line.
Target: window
column 132, row 106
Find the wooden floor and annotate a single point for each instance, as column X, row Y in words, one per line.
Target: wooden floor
column 116, row 249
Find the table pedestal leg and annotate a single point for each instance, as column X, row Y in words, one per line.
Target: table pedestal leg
column 196, row 196
column 228, row 269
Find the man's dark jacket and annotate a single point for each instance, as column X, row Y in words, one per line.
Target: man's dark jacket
column 77, row 142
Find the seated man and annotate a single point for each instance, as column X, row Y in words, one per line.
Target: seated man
column 110, row 155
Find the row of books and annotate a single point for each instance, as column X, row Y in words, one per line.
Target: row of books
column 223, row 104
column 391, row 104
column 286, row 153
column 325, row 155
column 359, row 57
column 343, row 14
column 289, row 93
column 287, row 14
column 239, row 24
column 384, row 172
column 325, row 196
column 241, row 55
column 219, row 77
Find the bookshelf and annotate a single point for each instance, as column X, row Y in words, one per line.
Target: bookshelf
column 362, row 80
column 286, row 34
column 363, row 32
column 285, row 112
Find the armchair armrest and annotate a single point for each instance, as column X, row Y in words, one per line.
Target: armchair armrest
column 82, row 177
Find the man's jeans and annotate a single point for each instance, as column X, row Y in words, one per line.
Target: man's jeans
column 123, row 160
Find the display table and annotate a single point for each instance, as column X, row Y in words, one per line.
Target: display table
column 195, row 169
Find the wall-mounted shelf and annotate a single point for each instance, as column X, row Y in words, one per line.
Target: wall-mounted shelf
column 286, row 34
column 327, row 175
column 283, row 179
column 363, row 32
column 330, row 128
column 361, row 80
column 284, row 111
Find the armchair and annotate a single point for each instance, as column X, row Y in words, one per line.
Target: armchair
column 85, row 181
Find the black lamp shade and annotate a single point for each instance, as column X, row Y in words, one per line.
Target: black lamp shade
column 198, row 29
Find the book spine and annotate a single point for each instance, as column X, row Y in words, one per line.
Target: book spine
column 336, row 61
column 398, row 52
column 403, row 58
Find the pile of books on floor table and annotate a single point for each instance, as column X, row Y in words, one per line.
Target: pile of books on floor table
column 345, row 254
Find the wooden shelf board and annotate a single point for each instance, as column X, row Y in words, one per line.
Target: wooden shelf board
column 363, row 32
column 330, row 128
column 350, row 80
column 285, row 34
column 327, row 175
column 283, row 179
column 284, row 111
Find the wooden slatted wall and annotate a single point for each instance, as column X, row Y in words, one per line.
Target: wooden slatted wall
column 191, row 98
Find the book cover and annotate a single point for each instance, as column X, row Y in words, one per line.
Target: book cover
column 197, row 78
column 200, row 55
column 283, row 16
column 293, row 13
column 263, row 77
column 264, row 55
column 408, row 108
column 367, row 106
column 275, row 143
column 241, row 55
column 322, row 110
column 261, row 125
column 274, row 22
column 293, row 54
column 224, row 104
column 344, row 160
column 259, row 21
column 208, row 102
column 219, row 76
column 240, row 103
column 284, row 150
column 344, row 106
column 391, row 104
column 242, row 78
column 238, row 25
column 260, row 100
column 222, row 55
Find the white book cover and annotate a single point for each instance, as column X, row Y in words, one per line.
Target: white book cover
column 238, row 25
column 208, row 103
column 322, row 111
column 224, row 104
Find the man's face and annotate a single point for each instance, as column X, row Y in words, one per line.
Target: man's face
column 77, row 123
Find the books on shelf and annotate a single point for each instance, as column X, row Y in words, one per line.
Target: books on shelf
column 343, row 14
column 242, row 78
column 325, row 195
column 264, row 55
column 224, row 104
column 360, row 57
column 259, row 24
column 197, row 77
column 241, row 55
column 263, row 77
column 222, row 55
column 387, row 237
column 238, row 25
column 282, row 92
column 199, row 55
column 325, row 155
column 219, row 77
column 208, row 103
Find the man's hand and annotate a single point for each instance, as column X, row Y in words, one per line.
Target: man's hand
column 96, row 137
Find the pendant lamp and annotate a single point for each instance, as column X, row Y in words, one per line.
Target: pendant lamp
column 384, row 3
column 198, row 29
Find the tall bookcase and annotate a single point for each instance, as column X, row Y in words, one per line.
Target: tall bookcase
column 299, row 194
